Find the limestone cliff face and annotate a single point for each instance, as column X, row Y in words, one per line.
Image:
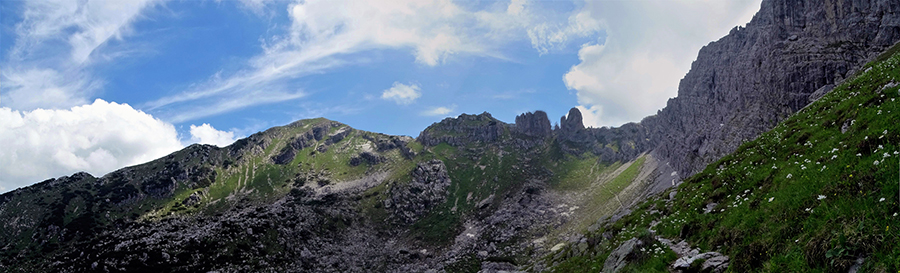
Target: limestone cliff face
column 746, row 82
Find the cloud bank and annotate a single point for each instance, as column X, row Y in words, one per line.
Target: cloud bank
column 206, row 134
column 97, row 138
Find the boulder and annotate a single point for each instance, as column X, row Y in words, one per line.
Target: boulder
column 428, row 188
column 620, row 256
column 712, row 262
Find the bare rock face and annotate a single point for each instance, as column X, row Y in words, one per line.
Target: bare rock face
column 536, row 124
column 746, row 82
column 572, row 121
column 463, row 129
column 427, row 189
column 619, row 258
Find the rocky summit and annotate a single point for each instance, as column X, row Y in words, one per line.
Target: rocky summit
column 771, row 158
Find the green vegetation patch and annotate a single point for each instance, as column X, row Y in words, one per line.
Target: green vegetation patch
column 814, row 194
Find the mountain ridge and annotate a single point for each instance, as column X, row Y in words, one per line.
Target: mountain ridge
column 469, row 193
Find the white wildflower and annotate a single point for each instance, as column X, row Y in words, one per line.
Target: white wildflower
column 789, row 176
column 808, row 209
column 858, row 154
column 821, row 197
column 771, row 198
column 876, row 163
column 881, row 200
column 834, row 156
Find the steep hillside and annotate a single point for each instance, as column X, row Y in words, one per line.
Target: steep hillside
column 818, row 193
column 471, row 192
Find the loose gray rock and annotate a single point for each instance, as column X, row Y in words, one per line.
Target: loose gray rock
column 712, row 262
column 619, row 257
column 428, row 188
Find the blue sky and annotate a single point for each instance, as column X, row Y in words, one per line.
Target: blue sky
column 97, row 85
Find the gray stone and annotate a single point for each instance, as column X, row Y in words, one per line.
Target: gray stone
column 536, row 124
column 712, row 262
column 619, row 257
column 428, row 188
column 572, row 121
column 754, row 77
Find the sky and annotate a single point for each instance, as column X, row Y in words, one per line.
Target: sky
column 97, row 85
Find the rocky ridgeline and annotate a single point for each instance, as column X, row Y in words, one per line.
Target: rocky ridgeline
column 428, row 188
column 532, row 129
column 746, row 82
column 462, row 130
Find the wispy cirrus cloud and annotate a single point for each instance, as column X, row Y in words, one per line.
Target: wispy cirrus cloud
column 49, row 64
column 325, row 35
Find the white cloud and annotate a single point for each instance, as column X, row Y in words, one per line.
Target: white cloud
column 46, row 88
column 439, row 111
column 206, row 134
column 48, row 63
column 401, row 93
column 646, row 53
column 323, row 34
column 97, row 138
column 592, row 116
column 546, row 37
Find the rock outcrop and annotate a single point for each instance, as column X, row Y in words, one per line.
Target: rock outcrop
column 533, row 124
column 427, row 189
column 571, row 122
column 619, row 258
column 463, row 129
column 713, row 262
column 746, row 82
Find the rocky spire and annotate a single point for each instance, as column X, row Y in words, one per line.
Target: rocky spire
column 572, row 121
column 536, row 124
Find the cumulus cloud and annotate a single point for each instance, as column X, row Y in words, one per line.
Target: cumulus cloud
column 54, row 47
column 206, row 134
column 401, row 93
column 97, row 138
column 439, row 111
column 638, row 66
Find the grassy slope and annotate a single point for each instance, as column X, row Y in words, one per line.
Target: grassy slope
column 803, row 197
